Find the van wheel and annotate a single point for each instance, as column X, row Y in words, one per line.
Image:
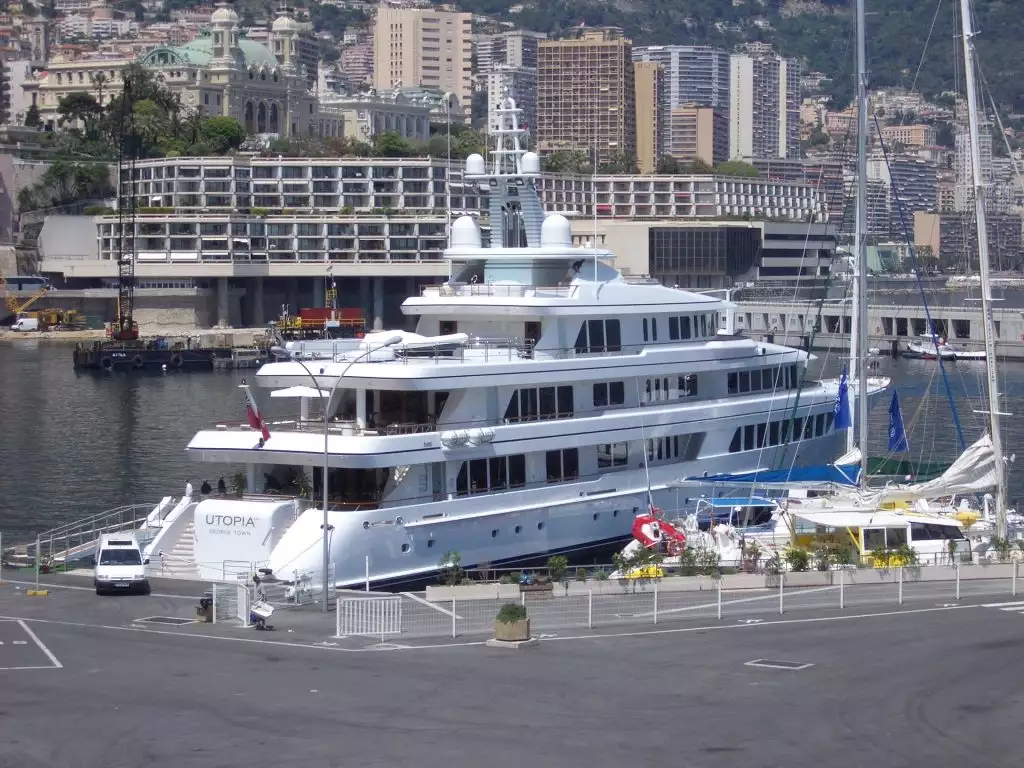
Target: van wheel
column 99, row 591
column 145, row 589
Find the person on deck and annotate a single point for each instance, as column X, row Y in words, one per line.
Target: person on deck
column 222, row 489
column 205, row 488
column 188, row 489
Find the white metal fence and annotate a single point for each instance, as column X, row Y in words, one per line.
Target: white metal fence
column 369, row 616
column 744, row 598
column 231, row 602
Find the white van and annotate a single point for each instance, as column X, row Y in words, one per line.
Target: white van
column 120, row 566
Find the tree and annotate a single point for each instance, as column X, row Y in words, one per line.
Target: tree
column 99, row 81
column 151, row 124
column 566, row 161
column 223, row 133
column 80, row 109
column 737, row 168
column 699, row 166
column 32, row 117
column 668, row 164
column 391, row 144
column 619, row 162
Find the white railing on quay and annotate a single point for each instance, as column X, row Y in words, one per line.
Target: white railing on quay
column 369, row 617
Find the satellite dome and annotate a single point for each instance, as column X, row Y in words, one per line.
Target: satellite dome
column 530, row 163
column 465, row 233
column 475, row 165
column 556, row 232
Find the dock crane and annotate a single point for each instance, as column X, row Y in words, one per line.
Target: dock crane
column 13, row 304
column 124, row 327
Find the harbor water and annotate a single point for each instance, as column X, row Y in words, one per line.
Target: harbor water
column 73, row 444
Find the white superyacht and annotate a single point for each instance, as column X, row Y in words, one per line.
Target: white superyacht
column 543, row 402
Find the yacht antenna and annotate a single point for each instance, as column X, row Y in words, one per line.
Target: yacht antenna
column 448, row 177
column 593, row 186
column 859, row 336
column 986, row 298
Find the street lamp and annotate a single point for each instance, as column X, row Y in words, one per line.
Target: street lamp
column 282, row 352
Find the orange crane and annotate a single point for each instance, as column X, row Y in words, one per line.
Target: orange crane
column 13, row 303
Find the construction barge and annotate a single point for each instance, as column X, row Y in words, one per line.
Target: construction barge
column 153, row 355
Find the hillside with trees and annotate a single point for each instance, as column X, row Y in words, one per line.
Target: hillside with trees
column 821, row 33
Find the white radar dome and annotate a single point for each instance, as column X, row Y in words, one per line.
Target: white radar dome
column 465, row 233
column 475, row 165
column 555, row 232
column 531, row 163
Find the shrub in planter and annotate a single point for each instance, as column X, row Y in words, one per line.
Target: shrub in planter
column 797, row 559
column 558, row 567
column 512, row 624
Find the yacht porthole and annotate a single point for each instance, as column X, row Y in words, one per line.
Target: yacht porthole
column 405, row 547
column 636, row 510
column 597, row 515
column 430, row 543
column 494, row 533
column 366, row 525
column 615, row 513
column 540, row 526
column 519, row 528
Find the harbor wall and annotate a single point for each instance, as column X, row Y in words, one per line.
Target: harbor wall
column 890, row 328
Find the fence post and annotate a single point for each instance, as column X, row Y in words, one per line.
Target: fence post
column 337, row 618
column 655, row 602
column 957, row 579
column 590, row 609
column 1013, row 578
column 368, row 576
column 522, row 599
column 1, row 558
column 214, row 590
column 899, row 599
column 453, row 617
column 842, row 583
column 719, row 598
column 38, row 554
column 782, row 580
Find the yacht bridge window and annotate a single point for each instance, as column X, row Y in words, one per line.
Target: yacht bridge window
column 495, row 474
column 562, row 465
column 763, row 379
column 599, row 336
column 687, row 327
column 540, row 404
column 670, row 388
column 612, row 455
column 675, row 447
column 609, row 393
column 780, row 431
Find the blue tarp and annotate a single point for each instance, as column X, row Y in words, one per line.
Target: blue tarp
column 741, row 501
column 839, row 474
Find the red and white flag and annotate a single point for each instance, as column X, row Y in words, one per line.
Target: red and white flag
column 252, row 415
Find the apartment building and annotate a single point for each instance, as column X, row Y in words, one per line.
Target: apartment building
column 824, row 175
column 586, row 94
column 697, row 133
column 764, row 116
column 909, row 135
column 911, row 184
column 516, row 48
column 694, row 74
column 679, row 196
column 953, row 239
column 651, row 111
column 424, row 47
column 300, row 185
column 518, row 82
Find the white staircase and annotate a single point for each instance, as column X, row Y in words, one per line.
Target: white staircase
column 180, row 561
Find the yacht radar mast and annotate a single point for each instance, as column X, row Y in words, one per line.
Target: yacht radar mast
column 506, row 158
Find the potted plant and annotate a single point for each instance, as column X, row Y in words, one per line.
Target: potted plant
column 797, row 559
column 238, row 484
column 558, row 567
column 751, row 556
column 512, row 625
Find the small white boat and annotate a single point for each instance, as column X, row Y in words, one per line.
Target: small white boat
column 925, row 349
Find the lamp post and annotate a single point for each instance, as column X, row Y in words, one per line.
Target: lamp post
column 281, row 351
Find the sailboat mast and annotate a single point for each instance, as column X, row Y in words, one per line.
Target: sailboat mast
column 986, row 290
column 859, row 335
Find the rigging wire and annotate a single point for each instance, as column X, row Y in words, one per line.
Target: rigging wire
column 920, row 286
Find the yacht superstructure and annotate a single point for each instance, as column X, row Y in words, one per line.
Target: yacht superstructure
column 543, row 402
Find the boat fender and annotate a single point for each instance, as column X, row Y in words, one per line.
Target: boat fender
column 106, row 363
column 137, row 361
column 176, row 361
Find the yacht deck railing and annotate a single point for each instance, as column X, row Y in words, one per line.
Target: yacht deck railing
column 499, row 290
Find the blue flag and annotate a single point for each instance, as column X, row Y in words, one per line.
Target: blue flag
column 897, row 432
column 841, row 408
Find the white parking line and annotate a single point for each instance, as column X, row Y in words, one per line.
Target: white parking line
column 1015, row 604
column 54, row 663
column 77, row 588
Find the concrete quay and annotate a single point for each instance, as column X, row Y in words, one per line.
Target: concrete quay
column 86, row 684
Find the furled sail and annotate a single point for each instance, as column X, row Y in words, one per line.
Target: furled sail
column 973, row 472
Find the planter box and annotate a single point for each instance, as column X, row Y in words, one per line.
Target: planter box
column 436, row 594
column 513, row 631
column 808, row 579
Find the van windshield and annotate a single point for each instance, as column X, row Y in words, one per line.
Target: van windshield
column 120, row 557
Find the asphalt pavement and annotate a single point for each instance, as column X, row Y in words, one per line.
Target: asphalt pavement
column 927, row 683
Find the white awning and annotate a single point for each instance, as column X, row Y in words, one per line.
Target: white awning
column 852, row 519
column 300, row 392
